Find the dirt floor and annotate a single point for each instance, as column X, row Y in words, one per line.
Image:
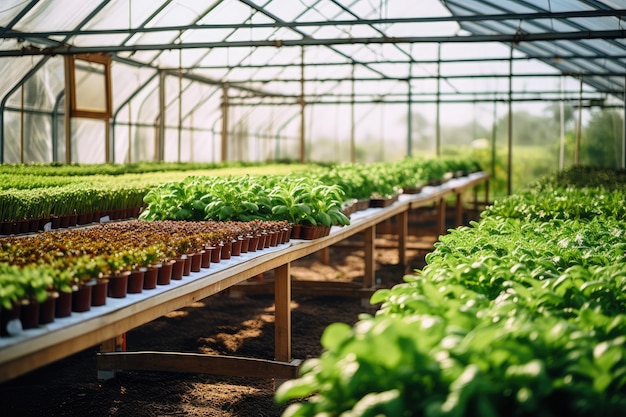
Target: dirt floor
column 234, row 323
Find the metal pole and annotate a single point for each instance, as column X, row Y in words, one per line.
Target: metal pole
column 562, row 131
column 509, row 182
column 352, row 121
column 493, row 144
column 68, row 111
column 180, row 102
column 107, row 141
column 159, row 147
column 22, row 120
column 624, row 130
column 225, row 122
column 409, row 125
column 579, row 122
column 302, row 107
column 438, row 111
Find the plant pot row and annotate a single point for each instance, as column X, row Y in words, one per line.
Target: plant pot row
column 17, row 227
column 93, row 293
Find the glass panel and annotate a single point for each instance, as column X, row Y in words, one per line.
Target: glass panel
column 51, row 15
column 91, row 89
column 9, row 10
column 88, row 141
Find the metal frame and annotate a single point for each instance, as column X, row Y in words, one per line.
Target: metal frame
column 527, row 32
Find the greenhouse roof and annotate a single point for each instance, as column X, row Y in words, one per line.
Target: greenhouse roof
column 254, row 79
column 271, row 47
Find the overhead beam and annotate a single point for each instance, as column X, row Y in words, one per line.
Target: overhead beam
column 555, row 58
column 307, row 41
column 431, row 77
column 319, row 23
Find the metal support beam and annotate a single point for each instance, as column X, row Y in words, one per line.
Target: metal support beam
column 352, row 121
column 68, row 111
column 310, row 41
column 409, row 127
column 509, row 180
column 334, row 22
column 438, row 107
column 225, row 123
column 624, row 129
column 579, row 124
column 302, row 108
column 159, row 145
column 562, row 131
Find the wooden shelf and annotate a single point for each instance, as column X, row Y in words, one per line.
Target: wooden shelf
column 104, row 325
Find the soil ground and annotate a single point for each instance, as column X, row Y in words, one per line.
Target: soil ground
column 240, row 325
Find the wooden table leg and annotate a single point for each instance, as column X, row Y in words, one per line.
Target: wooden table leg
column 441, row 216
column 117, row 344
column 325, row 255
column 486, row 192
column 403, row 229
column 282, row 320
column 459, row 209
column 370, row 257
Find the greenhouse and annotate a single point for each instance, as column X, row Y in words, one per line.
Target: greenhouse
column 313, row 207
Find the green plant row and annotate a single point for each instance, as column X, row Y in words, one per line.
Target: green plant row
column 41, row 191
column 577, row 193
column 296, row 199
column 520, row 316
column 72, row 170
column 315, row 197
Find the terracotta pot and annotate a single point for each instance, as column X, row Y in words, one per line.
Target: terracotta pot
column 47, row 308
column 309, row 232
column 33, row 225
column 227, row 250
column 72, row 220
column 9, row 318
column 245, row 244
column 22, row 226
column 165, row 272
column 151, row 276
column 85, row 218
column 29, row 314
column 196, row 261
column 55, row 222
column 262, row 239
column 99, row 292
column 296, row 231
column 63, row 305
column 5, row 228
column 254, row 243
column 187, row 264
column 81, row 298
column 118, row 285
column 178, row 267
column 266, row 243
column 135, row 280
column 216, row 254
column 64, row 221
column 236, row 251
column 43, row 222
column 206, row 257
column 273, row 239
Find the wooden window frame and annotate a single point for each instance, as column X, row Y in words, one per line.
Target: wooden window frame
column 99, row 58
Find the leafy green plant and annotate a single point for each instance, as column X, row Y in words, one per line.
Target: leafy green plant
column 522, row 313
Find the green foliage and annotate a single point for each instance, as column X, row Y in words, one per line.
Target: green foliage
column 520, row 314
